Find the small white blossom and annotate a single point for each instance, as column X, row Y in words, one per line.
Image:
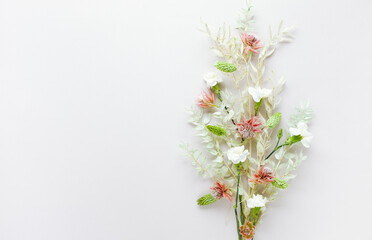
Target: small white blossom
column 212, row 79
column 257, row 201
column 258, row 93
column 237, row 154
column 301, row 129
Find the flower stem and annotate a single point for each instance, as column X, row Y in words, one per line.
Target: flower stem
column 242, row 218
column 236, row 205
column 276, row 148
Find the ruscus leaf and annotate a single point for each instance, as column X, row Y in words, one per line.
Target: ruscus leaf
column 274, row 120
column 206, row 200
column 216, row 130
column 225, row 67
column 279, row 183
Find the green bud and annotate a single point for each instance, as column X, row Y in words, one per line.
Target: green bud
column 216, row 89
column 293, row 139
column 254, row 214
column 216, row 130
column 225, row 67
column 255, row 211
column 279, row 183
column 206, row 200
column 274, row 120
column 239, row 167
column 280, row 134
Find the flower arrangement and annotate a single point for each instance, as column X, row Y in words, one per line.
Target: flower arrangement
column 251, row 157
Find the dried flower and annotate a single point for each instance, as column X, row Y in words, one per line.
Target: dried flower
column 251, row 42
column 263, row 175
column 249, row 128
column 207, row 99
column 247, row 230
column 238, row 137
column 220, row 190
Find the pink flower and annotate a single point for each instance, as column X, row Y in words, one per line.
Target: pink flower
column 247, row 230
column 206, row 99
column 251, row 42
column 263, row 175
column 221, row 190
column 249, row 128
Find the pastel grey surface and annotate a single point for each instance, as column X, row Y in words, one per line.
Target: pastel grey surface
column 92, row 97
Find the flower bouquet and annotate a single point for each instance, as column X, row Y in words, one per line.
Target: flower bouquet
column 250, row 158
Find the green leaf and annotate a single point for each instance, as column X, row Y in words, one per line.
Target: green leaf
column 206, row 200
column 279, row 183
column 293, row 139
column 257, row 106
column 274, row 120
column 216, row 130
column 225, row 67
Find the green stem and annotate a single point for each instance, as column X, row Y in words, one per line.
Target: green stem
column 276, row 148
column 236, row 206
column 242, row 218
column 257, row 106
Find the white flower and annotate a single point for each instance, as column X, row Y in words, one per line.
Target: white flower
column 212, row 79
column 258, row 93
column 237, row 154
column 257, row 201
column 302, row 130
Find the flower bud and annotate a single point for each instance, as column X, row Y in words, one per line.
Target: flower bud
column 293, row 139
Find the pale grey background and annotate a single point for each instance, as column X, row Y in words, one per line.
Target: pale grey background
column 92, row 94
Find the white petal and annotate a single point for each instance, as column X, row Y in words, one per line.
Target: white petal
column 306, row 133
column 255, row 94
column 305, row 142
column 266, row 92
column 310, row 137
column 210, row 76
column 302, row 126
column 294, row 131
column 212, row 83
column 241, row 148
